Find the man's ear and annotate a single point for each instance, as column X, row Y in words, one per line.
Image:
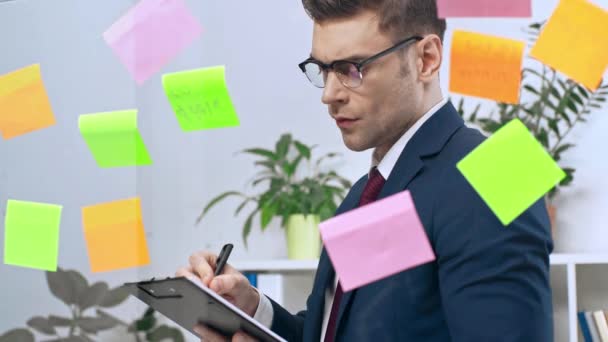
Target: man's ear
column 430, row 56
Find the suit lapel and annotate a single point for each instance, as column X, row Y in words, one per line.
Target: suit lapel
column 429, row 140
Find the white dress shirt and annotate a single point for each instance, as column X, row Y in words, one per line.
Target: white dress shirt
column 264, row 313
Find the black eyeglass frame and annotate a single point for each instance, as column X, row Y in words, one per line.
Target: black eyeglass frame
column 359, row 65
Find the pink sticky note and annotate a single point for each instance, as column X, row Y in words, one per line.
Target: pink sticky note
column 484, row 8
column 150, row 34
column 375, row 241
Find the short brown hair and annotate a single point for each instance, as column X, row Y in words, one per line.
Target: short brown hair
column 397, row 17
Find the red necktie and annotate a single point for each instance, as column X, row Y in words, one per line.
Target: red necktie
column 370, row 193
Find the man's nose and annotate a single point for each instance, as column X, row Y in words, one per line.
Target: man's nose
column 334, row 91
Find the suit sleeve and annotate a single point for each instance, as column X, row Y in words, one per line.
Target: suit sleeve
column 286, row 325
column 494, row 280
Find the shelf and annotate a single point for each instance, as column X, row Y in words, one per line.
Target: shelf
column 287, row 266
column 275, row 265
column 578, row 258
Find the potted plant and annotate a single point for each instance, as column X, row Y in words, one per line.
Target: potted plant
column 301, row 201
column 552, row 106
column 88, row 317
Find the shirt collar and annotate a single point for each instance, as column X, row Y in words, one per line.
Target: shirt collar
column 386, row 165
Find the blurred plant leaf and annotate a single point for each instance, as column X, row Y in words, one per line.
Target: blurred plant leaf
column 216, row 200
column 164, row 332
column 93, row 325
column 93, row 295
column 114, row 297
column 262, row 152
column 17, row 335
column 58, row 321
column 41, row 325
column 282, row 146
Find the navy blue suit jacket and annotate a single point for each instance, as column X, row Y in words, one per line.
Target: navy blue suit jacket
column 488, row 283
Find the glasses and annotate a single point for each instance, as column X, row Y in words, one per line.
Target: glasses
column 348, row 72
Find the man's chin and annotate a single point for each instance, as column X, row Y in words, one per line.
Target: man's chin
column 354, row 144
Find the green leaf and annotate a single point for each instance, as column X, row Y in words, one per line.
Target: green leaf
column 571, row 105
column 282, row 146
column 247, row 227
column 216, row 200
column 93, row 295
column 531, row 89
column 164, row 332
column 93, row 325
column 569, row 176
column 241, row 206
column 552, row 123
column 583, row 91
column 58, row 321
column 563, row 148
column 17, row 335
column 41, row 325
column 290, row 168
column 268, row 212
column 114, row 297
column 262, row 152
column 542, row 137
column 146, row 323
column 303, row 149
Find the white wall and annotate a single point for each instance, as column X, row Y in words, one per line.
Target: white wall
column 260, row 44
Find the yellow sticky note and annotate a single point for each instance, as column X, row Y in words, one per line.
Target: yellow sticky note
column 486, row 66
column 575, row 42
column 24, row 104
column 114, row 234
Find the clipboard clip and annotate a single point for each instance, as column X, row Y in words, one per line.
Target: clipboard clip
column 157, row 290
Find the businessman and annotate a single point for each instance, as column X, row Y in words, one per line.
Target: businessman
column 378, row 63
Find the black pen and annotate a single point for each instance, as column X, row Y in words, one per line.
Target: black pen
column 222, row 258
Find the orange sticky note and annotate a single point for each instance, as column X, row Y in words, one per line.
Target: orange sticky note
column 24, row 104
column 574, row 41
column 115, row 236
column 486, row 66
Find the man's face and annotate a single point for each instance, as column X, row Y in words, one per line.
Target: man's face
column 376, row 113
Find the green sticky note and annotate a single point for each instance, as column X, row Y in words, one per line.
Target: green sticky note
column 510, row 171
column 114, row 139
column 31, row 235
column 200, row 99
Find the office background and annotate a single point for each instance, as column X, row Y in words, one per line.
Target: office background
column 260, row 43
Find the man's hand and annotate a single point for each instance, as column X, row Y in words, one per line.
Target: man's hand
column 231, row 284
column 209, row 335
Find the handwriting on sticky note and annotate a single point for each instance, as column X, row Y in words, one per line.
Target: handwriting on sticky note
column 510, row 171
column 484, row 8
column 31, row 236
column 114, row 139
column 376, row 241
column 200, row 99
column 150, row 34
column 24, row 103
column 115, row 235
column 569, row 42
column 486, row 66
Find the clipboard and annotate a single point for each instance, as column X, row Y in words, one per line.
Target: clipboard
column 187, row 302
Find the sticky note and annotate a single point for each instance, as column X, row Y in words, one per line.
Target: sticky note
column 114, row 139
column 486, row 66
column 31, row 235
column 114, row 234
column 510, row 171
column 573, row 41
column 200, row 99
column 24, row 103
column 150, row 34
column 484, row 8
column 375, row 241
